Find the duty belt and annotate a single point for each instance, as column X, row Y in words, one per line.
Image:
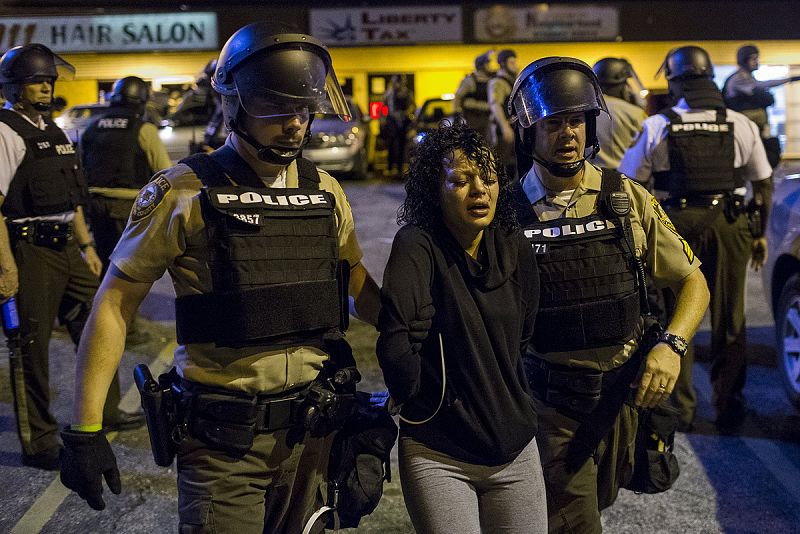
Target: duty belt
column 575, row 391
column 704, row 200
column 267, row 412
column 43, row 233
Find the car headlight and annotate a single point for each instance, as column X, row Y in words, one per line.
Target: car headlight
column 333, row 140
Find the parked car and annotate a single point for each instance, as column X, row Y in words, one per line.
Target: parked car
column 338, row 146
column 781, row 276
column 74, row 120
column 183, row 129
column 432, row 112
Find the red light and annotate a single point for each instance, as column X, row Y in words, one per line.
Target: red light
column 378, row 110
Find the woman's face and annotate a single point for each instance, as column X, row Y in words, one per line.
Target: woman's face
column 468, row 201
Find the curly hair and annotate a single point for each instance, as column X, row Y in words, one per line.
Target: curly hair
column 421, row 206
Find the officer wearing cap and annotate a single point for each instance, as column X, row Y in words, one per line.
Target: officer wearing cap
column 616, row 131
column 472, row 96
column 701, row 156
column 501, row 135
column 743, row 93
column 594, row 232
column 47, row 256
column 257, row 241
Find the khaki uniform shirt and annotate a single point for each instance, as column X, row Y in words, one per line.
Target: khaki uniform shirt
column 617, row 131
column 166, row 232
column 668, row 257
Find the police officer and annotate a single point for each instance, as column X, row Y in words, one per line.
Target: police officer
column 472, row 96
column 616, row 131
column 252, row 235
column 501, row 135
column 592, row 230
column 46, row 253
column 120, row 153
column 702, row 155
column 751, row 97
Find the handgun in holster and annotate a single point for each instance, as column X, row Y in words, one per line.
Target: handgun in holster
column 160, row 404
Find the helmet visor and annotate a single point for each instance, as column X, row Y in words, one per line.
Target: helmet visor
column 561, row 91
column 291, row 81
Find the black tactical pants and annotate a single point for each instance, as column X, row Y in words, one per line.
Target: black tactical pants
column 52, row 283
column 108, row 217
column 724, row 247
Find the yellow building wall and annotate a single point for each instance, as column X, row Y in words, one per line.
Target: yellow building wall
column 437, row 68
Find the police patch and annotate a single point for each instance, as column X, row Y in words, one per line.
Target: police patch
column 662, row 216
column 150, row 197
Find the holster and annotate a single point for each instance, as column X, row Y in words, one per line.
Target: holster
column 161, row 410
column 754, row 220
column 42, row 233
column 734, row 207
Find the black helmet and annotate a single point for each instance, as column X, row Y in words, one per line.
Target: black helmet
column 270, row 74
column 687, row 62
column 32, row 63
column 130, row 91
column 550, row 86
column 612, row 71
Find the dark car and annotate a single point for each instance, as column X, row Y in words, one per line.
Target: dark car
column 340, row 146
column 430, row 114
column 781, row 276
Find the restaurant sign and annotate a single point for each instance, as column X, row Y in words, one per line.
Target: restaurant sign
column 546, row 22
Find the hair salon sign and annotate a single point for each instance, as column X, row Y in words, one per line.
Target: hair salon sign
column 113, row 33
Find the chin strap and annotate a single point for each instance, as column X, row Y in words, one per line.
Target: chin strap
column 271, row 153
column 565, row 170
column 39, row 106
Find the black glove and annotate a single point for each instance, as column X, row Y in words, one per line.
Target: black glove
column 86, row 456
column 419, row 327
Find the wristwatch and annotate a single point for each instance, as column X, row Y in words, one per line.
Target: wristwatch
column 677, row 343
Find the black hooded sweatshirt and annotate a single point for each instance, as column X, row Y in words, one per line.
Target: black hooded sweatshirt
column 484, row 312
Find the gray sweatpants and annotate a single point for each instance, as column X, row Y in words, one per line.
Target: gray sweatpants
column 445, row 495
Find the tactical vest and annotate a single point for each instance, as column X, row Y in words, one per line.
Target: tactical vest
column 273, row 260
column 760, row 99
column 476, row 118
column 701, row 157
column 48, row 180
column 112, row 156
column 592, row 285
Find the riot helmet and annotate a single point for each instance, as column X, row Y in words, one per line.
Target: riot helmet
column 618, row 79
column 268, row 74
column 547, row 87
column 687, row 62
column 130, row 91
column 31, row 63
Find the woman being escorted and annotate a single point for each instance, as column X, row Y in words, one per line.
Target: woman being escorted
column 468, row 457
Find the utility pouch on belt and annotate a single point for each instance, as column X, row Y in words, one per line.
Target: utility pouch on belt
column 655, row 467
column 754, row 220
column 223, row 421
column 734, row 207
column 159, row 411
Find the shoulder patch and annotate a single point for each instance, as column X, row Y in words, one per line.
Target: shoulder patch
column 664, row 219
column 150, row 197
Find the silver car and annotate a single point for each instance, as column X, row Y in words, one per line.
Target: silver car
column 74, row 120
column 338, row 146
column 781, row 276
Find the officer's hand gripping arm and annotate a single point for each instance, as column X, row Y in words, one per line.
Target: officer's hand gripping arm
column 366, row 302
column 662, row 365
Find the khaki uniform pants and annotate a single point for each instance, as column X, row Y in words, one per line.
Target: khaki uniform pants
column 272, row 489
column 575, row 499
column 724, row 248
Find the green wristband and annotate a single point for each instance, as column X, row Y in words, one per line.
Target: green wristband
column 87, row 428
